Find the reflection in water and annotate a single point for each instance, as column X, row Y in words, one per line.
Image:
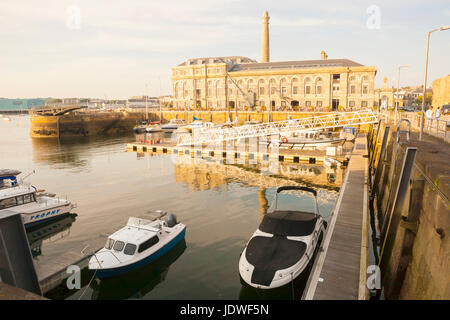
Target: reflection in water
column 49, row 231
column 205, row 174
column 137, row 284
column 70, row 153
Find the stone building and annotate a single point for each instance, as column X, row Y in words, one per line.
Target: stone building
column 441, row 91
column 219, row 83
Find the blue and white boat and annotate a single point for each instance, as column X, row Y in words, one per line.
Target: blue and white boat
column 34, row 206
column 137, row 244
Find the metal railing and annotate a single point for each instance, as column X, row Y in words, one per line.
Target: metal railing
column 328, row 121
column 434, row 127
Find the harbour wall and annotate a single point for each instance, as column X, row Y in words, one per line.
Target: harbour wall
column 415, row 260
column 76, row 124
column 83, row 124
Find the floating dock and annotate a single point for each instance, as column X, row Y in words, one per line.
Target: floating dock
column 240, row 152
column 339, row 269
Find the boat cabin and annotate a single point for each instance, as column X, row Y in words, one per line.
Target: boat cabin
column 136, row 237
column 17, row 196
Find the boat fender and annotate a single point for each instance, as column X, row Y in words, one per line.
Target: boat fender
column 284, row 139
column 171, row 220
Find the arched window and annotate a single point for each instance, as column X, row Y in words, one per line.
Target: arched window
column 251, row 86
column 261, row 85
column 319, row 85
column 283, row 86
column 307, row 85
column 210, row 88
column 294, row 86
column 272, row 86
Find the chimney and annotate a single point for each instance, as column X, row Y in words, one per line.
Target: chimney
column 323, row 55
column 265, row 57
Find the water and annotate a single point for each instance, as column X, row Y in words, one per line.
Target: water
column 221, row 205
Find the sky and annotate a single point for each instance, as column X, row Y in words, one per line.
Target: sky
column 118, row 49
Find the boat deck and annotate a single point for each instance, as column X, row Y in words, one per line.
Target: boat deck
column 339, row 270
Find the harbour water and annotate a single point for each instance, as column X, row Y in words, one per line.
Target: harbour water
column 221, row 206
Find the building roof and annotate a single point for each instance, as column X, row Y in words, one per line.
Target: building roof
column 207, row 60
column 296, row 64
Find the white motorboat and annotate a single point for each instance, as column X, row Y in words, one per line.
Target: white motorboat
column 331, row 162
column 34, row 206
column 173, row 124
column 311, row 139
column 140, row 242
column 283, row 246
column 196, row 125
column 154, row 126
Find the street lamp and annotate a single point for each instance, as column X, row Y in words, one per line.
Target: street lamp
column 425, row 80
column 398, row 88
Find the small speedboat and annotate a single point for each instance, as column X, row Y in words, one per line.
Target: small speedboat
column 137, row 244
column 141, row 127
column 283, row 245
column 173, row 124
column 154, row 126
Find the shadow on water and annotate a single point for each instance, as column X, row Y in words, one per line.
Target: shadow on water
column 138, row 283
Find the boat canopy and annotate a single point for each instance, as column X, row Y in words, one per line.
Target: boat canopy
column 9, row 174
column 289, row 223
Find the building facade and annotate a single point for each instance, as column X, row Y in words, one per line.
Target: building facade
column 441, row 91
column 238, row 82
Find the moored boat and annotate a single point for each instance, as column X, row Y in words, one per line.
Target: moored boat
column 173, row 124
column 137, row 244
column 34, row 206
column 283, row 245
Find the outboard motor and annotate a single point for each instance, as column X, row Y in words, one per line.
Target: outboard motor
column 171, row 220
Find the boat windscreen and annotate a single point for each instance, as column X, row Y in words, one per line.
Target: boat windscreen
column 289, row 223
column 109, row 244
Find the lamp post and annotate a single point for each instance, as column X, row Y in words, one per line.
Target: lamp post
column 398, row 89
column 425, row 80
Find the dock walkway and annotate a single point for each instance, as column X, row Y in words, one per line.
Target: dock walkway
column 339, row 271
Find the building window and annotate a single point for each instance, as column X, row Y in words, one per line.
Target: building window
column 198, row 92
column 261, row 91
column 294, row 90
column 283, row 91
column 352, row 89
column 294, row 86
column 363, row 104
column 319, row 104
column 308, row 103
column 365, row 89
column 351, row 104
column 308, row 90
column 319, row 90
column 336, row 88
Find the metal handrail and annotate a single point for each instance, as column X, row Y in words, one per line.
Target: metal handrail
column 328, row 121
column 408, row 131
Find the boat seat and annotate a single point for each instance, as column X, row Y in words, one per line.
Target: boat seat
column 268, row 255
column 289, row 223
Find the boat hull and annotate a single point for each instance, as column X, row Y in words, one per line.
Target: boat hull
column 113, row 272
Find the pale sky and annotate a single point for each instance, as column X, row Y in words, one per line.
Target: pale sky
column 120, row 46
